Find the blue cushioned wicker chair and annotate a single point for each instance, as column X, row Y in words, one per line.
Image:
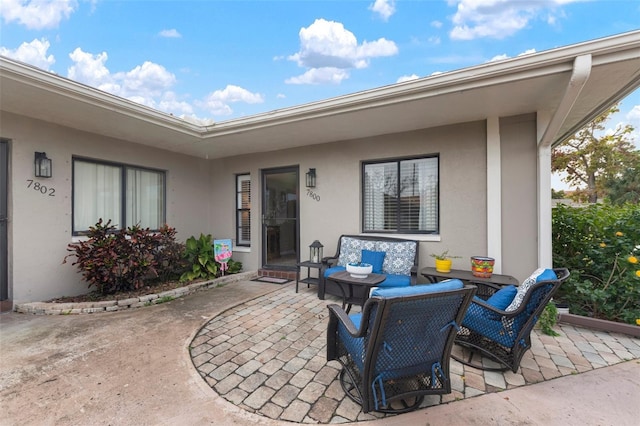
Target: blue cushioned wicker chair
column 397, row 350
column 499, row 321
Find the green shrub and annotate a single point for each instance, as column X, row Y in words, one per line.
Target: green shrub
column 200, row 257
column 600, row 244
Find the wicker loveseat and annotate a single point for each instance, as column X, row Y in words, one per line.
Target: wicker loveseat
column 399, row 261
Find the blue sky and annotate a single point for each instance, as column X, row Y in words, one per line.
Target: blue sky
column 207, row 60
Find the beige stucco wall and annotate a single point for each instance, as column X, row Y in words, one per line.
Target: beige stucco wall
column 201, row 195
column 40, row 225
column 519, row 195
column 462, row 150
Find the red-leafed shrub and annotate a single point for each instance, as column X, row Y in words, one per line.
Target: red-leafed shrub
column 114, row 260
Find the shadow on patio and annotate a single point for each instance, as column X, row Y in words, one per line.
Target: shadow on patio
column 268, row 356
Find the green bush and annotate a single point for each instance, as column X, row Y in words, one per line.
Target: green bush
column 200, row 256
column 600, row 244
column 201, row 261
column 115, row 260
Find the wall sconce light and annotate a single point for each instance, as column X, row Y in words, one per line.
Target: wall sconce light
column 43, row 165
column 311, row 178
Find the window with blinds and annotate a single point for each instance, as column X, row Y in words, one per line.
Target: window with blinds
column 243, row 210
column 400, row 196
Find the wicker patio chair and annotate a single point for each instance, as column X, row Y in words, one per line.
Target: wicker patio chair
column 397, row 350
column 499, row 322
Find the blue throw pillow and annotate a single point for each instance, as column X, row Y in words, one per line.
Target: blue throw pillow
column 503, row 297
column 373, row 258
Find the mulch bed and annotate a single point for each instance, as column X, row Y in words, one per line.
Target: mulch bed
column 142, row 291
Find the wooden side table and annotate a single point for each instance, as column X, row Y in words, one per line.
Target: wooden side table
column 434, row 276
column 344, row 278
column 309, row 280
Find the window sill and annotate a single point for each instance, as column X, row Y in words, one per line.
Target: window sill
column 242, row 249
column 417, row 237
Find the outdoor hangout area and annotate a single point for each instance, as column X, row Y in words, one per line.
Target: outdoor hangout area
column 268, row 356
column 243, row 352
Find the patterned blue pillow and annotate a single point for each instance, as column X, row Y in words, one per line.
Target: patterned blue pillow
column 374, row 258
column 399, row 257
column 537, row 276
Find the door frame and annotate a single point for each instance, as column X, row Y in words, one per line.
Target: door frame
column 5, row 301
column 263, row 227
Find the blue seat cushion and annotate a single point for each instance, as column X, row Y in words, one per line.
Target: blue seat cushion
column 374, row 258
column 353, row 345
column 393, row 280
column 417, row 289
column 480, row 320
column 333, row 270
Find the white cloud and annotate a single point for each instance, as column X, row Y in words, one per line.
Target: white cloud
column 37, row 14
column 325, row 75
column 436, row 24
column 326, row 46
column 500, row 18
column 172, row 33
column 217, row 102
column 499, row 58
column 33, row 53
column 407, row 78
column 147, row 84
column 384, row 8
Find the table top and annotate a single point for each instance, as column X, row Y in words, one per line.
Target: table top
column 345, row 277
column 431, row 273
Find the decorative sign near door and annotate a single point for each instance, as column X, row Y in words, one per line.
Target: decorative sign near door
column 222, row 251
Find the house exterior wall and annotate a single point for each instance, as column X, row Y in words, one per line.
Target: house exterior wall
column 462, row 151
column 519, row 195
column 201, row 195
column 40, row 224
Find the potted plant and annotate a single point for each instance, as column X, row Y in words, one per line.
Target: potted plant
column 443, row 261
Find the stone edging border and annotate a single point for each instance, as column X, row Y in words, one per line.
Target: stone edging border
column 53, row 308
column 598, row 324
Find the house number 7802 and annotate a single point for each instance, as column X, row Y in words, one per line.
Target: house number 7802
column 36, row 186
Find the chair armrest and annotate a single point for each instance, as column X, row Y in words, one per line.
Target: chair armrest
column 329, row 260
column 337, row 314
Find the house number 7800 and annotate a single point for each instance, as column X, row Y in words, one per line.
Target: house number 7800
column 36, row 186
column 313, row 195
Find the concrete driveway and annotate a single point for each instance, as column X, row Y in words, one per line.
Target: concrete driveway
column 134, row 368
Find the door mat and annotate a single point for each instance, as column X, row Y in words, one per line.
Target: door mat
column 272, row 280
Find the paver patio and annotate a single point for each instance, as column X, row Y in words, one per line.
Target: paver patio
column 268, row 356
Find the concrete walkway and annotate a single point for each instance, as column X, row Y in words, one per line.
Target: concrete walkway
column 135, row 368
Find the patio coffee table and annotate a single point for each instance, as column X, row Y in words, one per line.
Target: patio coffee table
column 346, row 281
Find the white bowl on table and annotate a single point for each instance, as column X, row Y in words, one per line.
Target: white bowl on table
column 359, row 270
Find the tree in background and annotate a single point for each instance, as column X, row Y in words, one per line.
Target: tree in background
column 625, row 189
column 592, row 158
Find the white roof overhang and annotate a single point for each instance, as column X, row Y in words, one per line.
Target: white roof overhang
column 526, row 84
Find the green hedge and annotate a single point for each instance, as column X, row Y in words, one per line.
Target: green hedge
column 600, row 244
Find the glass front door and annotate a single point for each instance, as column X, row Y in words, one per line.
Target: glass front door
column 280, row 218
